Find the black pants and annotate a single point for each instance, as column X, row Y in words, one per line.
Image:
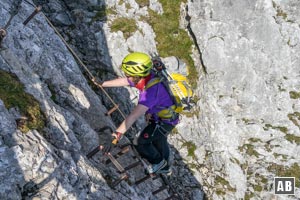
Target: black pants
column 152, row 143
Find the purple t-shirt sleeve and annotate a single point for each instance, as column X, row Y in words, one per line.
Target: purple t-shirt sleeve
column 131, row 84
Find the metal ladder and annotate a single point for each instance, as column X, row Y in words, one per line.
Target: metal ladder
column 136, row 161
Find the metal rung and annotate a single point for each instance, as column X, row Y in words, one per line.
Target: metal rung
column 132, row 165
column 2, row 35
column 172, row 197
column 163, row 187
column 123, row 177
column 93, row 152
column 142, row 179
column 116, row 163
column 120, row 153
column 37, row 9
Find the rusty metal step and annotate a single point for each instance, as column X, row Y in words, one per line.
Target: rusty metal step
column 161, row 188
column 119, row 154
column 137, row 161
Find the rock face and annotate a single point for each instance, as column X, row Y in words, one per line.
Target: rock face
column 243, row 132
column 249, row 96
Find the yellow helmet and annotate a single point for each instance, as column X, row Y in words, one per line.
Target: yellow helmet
column 137, row 64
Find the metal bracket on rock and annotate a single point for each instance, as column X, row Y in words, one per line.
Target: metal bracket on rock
column 2, row 35
column 36, row 11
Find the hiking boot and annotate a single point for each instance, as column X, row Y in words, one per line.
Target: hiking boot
column 166, row 170
column 155, row 167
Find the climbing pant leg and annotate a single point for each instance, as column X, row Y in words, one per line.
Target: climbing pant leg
column 153, row 144
column 162, row 144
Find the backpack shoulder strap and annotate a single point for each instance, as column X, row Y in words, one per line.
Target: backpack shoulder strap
column 152, row 82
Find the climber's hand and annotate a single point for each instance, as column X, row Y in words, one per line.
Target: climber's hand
column 97, row 81
column 106, row 148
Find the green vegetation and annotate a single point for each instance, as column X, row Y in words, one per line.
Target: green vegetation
column 262, row 179
column 126, row 25
column 257, row 188
column 191, row 147
column 142, row 3
column 249, row 149
column 234, row 160
column 281, row 89
column 280, row 128
column 249, row 195
column 193, row 166
column 175, row 131
column 220, row 191
column 254, row 140
column 295, row 117
column 13, row 95
column 280, row 12
column 283, row 171
column 224, row 183
column 190, row 113
column 171, row 40
column 289, row 137
column 294, row 95
column 127, row 6
column 102, row 13
column 246, row 121
column 276, row 155
column 292, row 138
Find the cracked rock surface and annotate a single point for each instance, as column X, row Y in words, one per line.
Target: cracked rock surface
column 243, row 132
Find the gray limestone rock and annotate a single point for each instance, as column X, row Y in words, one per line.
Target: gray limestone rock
column 243, row 132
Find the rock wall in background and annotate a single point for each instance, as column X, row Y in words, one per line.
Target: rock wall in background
column 243, row 132
column 248, row 124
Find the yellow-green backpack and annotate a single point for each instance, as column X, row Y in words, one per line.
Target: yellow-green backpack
column 178, row 88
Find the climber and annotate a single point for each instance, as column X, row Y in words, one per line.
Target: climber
column 152, row 142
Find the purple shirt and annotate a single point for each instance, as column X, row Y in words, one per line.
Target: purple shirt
column 156, row 98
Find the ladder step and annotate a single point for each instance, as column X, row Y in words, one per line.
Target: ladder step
column 142, row 179
column 125, row 149
column 93, row 152
column 123, row 177
column 172, row 197
column 119, row 154
column 163, row 187
column 132, row 165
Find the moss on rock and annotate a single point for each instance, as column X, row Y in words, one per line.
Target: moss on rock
column 13, row 94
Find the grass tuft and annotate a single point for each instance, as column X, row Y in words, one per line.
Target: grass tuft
column 172, row 40
column 191, row 147
column 13, row 95
column 126, row 25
